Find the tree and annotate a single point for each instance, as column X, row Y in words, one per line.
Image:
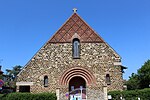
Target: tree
column 144, row 75
column 11, row 76
column 13, row 73
column 141, row 79
column 133, row 82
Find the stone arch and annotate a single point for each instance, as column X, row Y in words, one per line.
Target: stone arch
column 77, row 71
column 75, row 36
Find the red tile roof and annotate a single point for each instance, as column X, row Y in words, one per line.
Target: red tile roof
column 75, row 27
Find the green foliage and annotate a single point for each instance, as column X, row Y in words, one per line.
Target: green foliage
column 28, row 96
column 13, row 73
column 1, row 95
column 1, row 76
column 11, row 76
column 140, row 80
column 130, row 95
column 133, row 82
column 144, row 94
column 144, row 75
column 5, row 91
column 115, row 94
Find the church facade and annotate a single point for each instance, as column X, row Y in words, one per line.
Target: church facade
column 75, row 63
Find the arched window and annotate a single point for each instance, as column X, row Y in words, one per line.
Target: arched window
column 45, row 81
column 108, row 81
column 76, row 48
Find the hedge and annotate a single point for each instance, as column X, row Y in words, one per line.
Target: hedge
column 1, row 95
column 143, row 94
column 28, row 96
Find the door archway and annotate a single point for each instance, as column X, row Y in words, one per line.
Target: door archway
column 72, row 76
column 77, row 88
column 77, row 71
column 77, row 83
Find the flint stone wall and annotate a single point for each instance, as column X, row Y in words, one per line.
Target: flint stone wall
column 54, row 59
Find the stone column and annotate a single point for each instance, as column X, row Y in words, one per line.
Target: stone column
column 105, row 92
column 17, row 89
column 57, row 94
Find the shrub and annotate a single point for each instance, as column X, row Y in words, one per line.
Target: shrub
column 115, row 94
column 1, row 95
column 5, row 91
column 144, row 94
column 29, row 96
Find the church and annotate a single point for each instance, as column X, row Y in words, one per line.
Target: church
column 75, row 63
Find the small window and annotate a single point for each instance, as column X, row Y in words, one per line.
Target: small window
column 45, row 81
column 76, row 48
column 24, row 88
column 108, row 81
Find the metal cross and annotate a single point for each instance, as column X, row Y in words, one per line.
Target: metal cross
column 74, row 10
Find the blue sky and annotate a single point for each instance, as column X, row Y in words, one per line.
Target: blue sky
column 25, row 25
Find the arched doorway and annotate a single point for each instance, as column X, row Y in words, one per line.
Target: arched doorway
column 73, row 76
column 77, row 88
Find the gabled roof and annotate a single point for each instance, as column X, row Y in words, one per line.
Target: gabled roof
column 75, row 26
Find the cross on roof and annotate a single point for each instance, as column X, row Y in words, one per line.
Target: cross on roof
column 74, row 10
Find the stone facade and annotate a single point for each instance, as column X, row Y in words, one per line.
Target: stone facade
column 55, row 60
